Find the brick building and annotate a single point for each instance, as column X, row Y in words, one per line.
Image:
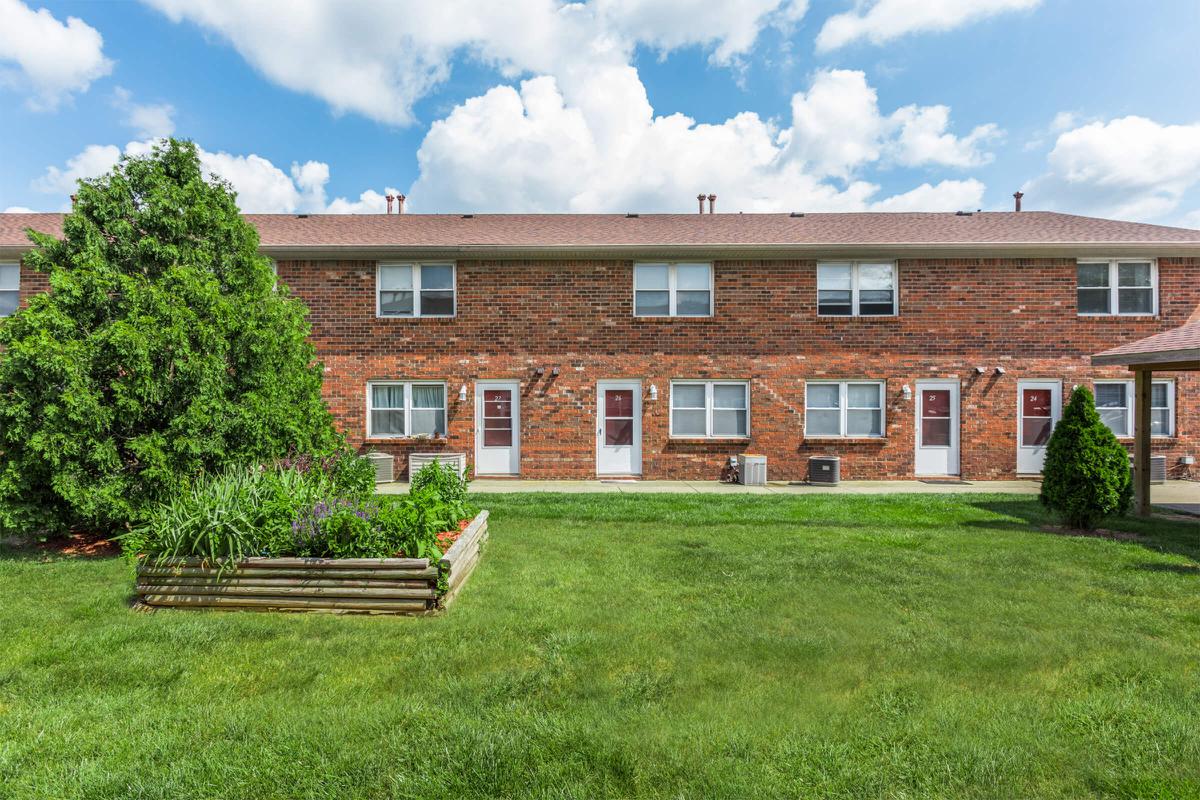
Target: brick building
column 571, row 346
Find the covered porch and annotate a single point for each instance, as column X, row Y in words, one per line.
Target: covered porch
column 1176, row 350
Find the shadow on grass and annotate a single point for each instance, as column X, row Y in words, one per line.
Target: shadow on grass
column 1179, row 569
column 76, row 546
column 1178, row 537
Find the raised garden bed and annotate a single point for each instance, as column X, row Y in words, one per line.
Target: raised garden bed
column 345, row 585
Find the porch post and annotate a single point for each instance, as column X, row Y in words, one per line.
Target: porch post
column 1141, row 442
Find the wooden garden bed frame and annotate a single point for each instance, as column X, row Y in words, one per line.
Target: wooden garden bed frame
column 331, row 585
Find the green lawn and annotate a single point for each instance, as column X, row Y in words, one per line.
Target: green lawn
column 668, row 646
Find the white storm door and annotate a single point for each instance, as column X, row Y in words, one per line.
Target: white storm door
column 937, row 428
column 497, row 428
column 618, row 428
column 1039, row 408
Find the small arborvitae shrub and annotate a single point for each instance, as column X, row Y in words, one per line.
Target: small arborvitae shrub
column 1086, row 475
column 164, row 351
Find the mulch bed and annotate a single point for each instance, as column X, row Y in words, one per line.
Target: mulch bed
column 73, row 545
column 447, row 538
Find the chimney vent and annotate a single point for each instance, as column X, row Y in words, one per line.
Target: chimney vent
column 700, row 199
column 400, row 203
column 389, row 199
column 712, row 204
column 1017, row 196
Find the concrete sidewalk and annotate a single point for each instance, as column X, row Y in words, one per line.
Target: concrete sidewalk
column 1182, row 492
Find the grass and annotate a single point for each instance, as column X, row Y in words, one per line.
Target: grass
column 661, row 646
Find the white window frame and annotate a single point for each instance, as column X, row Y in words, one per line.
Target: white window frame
column 416, row 273
column 1131, row 405
column 672, row 267
column 1114, row 296
column 408, row 409
column 844, row 408
column 15, row 265
column 709, row 408
column 854, row 304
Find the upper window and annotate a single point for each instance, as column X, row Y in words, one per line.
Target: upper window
column 672, row 290
column 712, row 409
column 850, row 408
column 10, row 288
column 851, row 288
column 1115, row 402
column 1117, row 287
column 415, row 290
column 396, row 409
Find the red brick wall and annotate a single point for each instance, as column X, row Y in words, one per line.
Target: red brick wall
column 516, row 316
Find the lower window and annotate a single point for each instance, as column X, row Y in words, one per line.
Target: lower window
column 10, row 288
column 850, row 409
column 397, row 409
column 1114, row 402
column 710, row 409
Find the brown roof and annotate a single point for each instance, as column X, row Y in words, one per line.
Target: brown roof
column 1030, row 230
column 1177, row 345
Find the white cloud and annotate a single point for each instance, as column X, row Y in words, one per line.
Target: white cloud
column 884, row 20
column 533, row 150
column 1064, row 121
column 923, row 139
column 17, row 210
column 95, row 159
column 1132, row 168
column 261, row 186
column 368, row 202
column 836, row 125
column 378, row 59
column 948, row 195
column 729, row 28
column 47, row 59
column 579, row 133
column 149, row 120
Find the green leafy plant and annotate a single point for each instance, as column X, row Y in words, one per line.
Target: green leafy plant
column 1086, row 473
column 299, row 506
column 219, row 520
column 446, row 484
column 165, row 350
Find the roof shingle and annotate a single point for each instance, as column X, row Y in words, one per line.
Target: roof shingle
column 565, row 231
column 1182, row 342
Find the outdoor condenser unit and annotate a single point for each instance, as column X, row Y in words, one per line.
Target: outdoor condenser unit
column 1158, row 468
column 752, row 470
column 825, row 469
column 385, row 466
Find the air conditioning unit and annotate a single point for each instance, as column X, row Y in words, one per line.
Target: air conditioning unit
column 385, row 466
column 1158, row 469
column 752, row 470
column 825, row 470
column 418, row 460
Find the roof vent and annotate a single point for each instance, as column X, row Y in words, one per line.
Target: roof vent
column 963, row 213
column 631, row 215
column 796, row 214
column 302, row 216
column 468, row 216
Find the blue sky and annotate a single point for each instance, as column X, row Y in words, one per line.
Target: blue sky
column 1090, row 106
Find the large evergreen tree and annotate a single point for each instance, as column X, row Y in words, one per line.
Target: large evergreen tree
column 163, row 350
column 1086, row 474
